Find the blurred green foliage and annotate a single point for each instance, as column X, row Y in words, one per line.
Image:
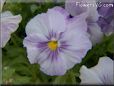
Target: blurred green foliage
column 16, row 67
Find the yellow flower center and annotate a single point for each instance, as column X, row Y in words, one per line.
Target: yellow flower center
column 52, row 45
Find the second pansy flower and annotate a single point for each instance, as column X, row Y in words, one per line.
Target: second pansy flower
column 56, row 42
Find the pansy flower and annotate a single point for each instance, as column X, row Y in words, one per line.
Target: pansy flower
column 8, row 24
column 56, row 42
column 101, row 74
column 80, row 7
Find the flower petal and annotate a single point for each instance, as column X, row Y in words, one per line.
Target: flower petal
column 72, row 57
column 57, row 19
column 102, row 73
column 4, row 38
column 33, row 50
column 88, row 76
column 78, row 22
column 38, row 25
column 55, row 67
column 76, row 39
column 74, row 9
column 92, row 10
column 95, row 33
column 46, row 22
column 104, row 70
column 9, row 24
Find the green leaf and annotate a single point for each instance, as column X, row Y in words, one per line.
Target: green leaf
column 21, row 79
column 110, row 47
column 8, row 73
column 68, row 78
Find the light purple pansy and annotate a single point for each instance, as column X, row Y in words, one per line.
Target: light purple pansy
column 101, row 74
column 56, row 42
column 75, row 8
column 8, row 24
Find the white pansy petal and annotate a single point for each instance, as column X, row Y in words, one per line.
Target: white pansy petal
column 73, row 57
column 38, row 25
column 77, row 54
column 89, row 77
column 32, row 54
column 4, row 38
column 55, row 67
column 104, row 70
column 32, row 50
column 43, row 55
column 8, row 24
column 76, row 39
column 43, row 23
column 34, row 38
column 57, row 19
column 77, row 33
column 70, row 58
column 78, row 22
column 95, row 32
column 102, row 73
column 31, row 43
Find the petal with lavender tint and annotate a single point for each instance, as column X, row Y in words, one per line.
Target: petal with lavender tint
column 76, row 39
column 54, row 67
column 75, row 49
column 38, row 25
column 102, row 73
column 95, row 33
column 73, row 9
column 78, row 22
column 72, row 57
column 9, row 21
column 104, row 70
column 9, row 24
column 89, row 77
column 31, row 42
column 54, row 16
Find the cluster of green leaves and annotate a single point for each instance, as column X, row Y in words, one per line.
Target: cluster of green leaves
column 16, row 67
